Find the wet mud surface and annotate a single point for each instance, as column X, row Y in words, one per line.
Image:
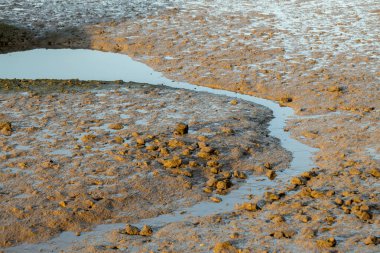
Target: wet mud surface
column 91, row 152
column 319, row 57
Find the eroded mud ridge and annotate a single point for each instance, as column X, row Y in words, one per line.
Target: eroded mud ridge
column 92, row 152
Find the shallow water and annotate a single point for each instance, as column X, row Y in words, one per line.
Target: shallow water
column 95, row 65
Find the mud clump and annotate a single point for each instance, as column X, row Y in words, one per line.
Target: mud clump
column 271, row 174
column 49, row 164
column 335, row 88
column 88, row 138
column 298, row 181
column 374, row 172
column 225, row 247
column 361, row 213
column 273, row 196
column 247, row 206
column 223, row 185
column 146, row 231
column 140, row 141
column 172, row 163
column 240, row 174
column 181, row 129
column 371, row 240
column 234, row 102
column 184, row 172
column 326, row 243
column 285, row 99
column 216, row 199
column 116, row 126
column 131, row 230
column 6, row 128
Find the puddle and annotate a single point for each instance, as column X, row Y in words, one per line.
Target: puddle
column 63, row 152
column 15, row 171
column 23, row 147
column 22, row 196
column 124, row 116
column 373, row 153
column 94, row 65
column 142, row 111
column 142, row 122
column 104, row 128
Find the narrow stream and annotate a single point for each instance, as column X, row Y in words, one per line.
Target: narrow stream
column 95, row 65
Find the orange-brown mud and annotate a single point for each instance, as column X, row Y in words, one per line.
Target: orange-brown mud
column 319, row 57
column 94, row 152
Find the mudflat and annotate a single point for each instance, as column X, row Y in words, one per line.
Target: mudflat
column 319, row 57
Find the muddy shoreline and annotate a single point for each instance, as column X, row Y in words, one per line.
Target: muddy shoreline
column 327, row 72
